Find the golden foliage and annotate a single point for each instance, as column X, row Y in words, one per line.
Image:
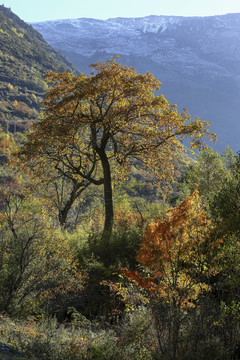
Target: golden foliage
column 111, row 116
column 115, row 109
column 175, row 253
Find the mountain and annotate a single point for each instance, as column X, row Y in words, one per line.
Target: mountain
column 197, row 59
column 24, row 59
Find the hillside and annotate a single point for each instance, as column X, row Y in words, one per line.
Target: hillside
column 197, row 59
column 24, row 59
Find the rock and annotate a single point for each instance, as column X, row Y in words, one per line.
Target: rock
column 7, row 353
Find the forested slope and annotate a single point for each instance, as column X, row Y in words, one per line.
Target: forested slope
column 24, row 59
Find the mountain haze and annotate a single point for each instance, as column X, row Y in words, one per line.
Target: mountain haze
column 197, row 59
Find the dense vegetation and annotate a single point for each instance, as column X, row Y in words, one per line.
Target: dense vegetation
column 161, row 279
column 24, row 59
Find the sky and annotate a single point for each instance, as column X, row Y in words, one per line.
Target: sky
column 41, row 10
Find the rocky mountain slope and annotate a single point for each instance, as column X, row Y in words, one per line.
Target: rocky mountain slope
column 197, row 59
column 24, row 59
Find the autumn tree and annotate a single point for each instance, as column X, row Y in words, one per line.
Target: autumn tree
column 111, row 116
column 177, row 258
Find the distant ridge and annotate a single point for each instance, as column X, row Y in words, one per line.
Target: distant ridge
column 197, row 59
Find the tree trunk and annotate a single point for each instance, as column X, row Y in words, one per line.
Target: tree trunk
column 175, row 328
column 63, row 213
column 108, row 198
column 77, row 189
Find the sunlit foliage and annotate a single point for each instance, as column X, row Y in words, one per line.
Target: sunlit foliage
column 113, row 115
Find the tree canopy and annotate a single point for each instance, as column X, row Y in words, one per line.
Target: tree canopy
column 111, row 116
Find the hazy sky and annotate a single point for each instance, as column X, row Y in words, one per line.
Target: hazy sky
column 40, row 10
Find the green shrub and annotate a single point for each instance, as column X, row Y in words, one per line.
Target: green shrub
column 46, row 339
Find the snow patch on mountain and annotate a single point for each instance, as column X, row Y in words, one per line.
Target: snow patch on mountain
column 181, row 44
